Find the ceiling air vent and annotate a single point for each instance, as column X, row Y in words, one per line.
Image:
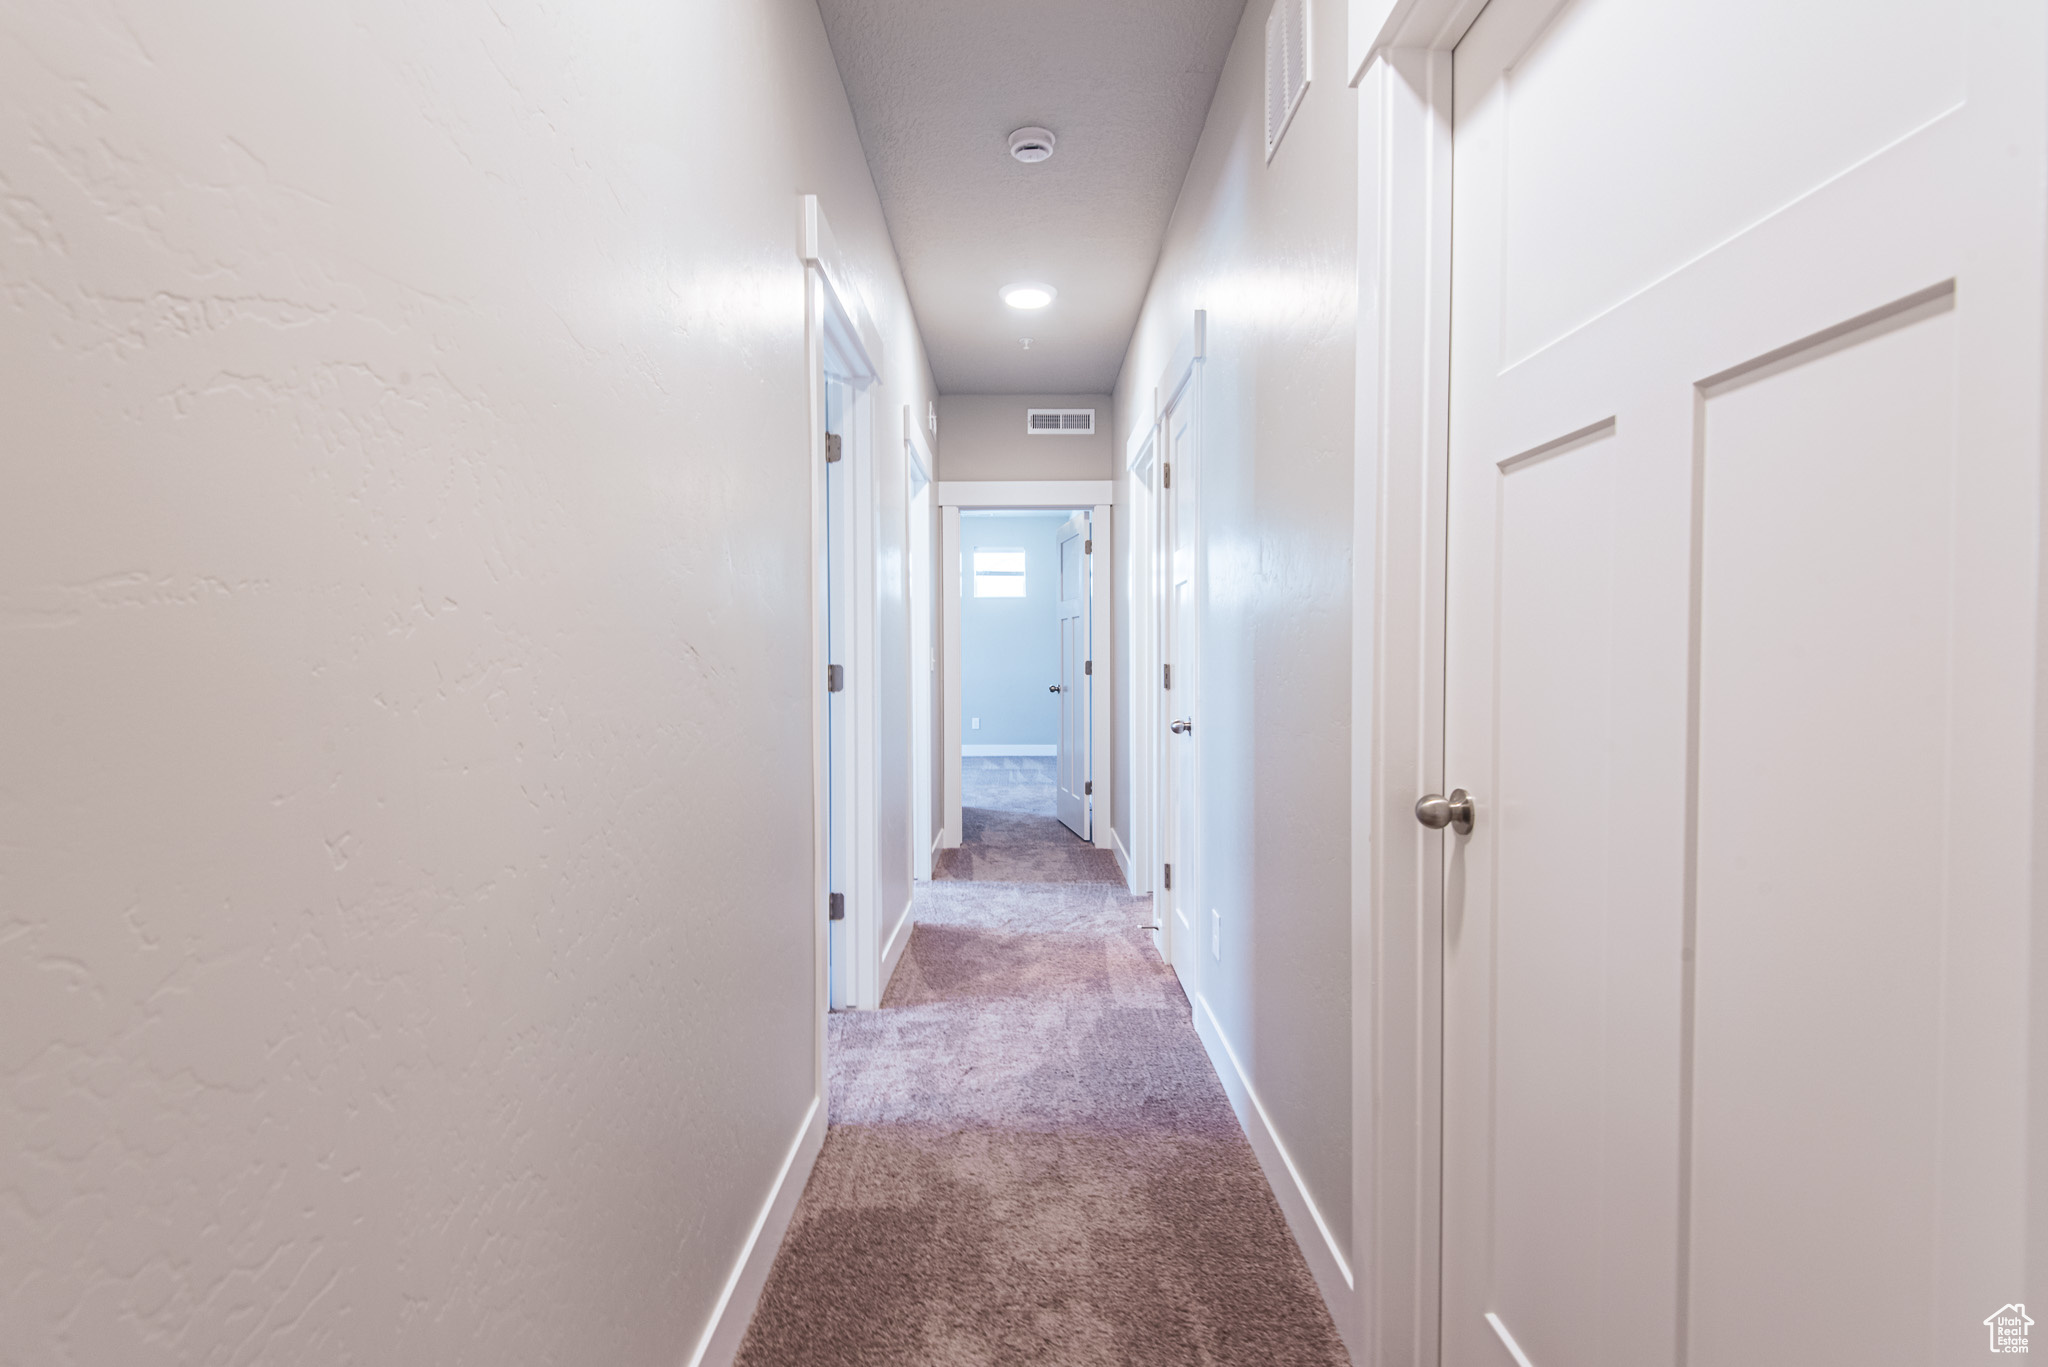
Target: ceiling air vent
column 1286, row 67
column 1060, row 422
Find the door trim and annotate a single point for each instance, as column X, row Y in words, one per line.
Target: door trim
column 838, row 335
column 1025, row 493
column 1397, row 738
column 1095, row 496
column 1180, row 383
column 1139, row 845
column 1101, row 684
column 1080, row 525
column 948, row 570
column 919, row 580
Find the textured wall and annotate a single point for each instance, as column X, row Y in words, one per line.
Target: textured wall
column 985, row 438
column 1269, row 251
column 405, row 944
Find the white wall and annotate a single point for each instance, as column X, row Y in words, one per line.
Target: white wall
column 1269, row 252
column 985, row 438
column 406, row 949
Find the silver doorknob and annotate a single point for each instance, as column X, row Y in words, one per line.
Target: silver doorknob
column 1181, row 728
column 1437, row 811
column 1053, row 689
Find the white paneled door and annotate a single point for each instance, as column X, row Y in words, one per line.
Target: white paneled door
column 1175, row 901
column 1075, row 676
column 1742, row 610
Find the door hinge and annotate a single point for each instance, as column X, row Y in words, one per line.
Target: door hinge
column 1088, row 546
column 1169, row 675
column 1166, row 475
column 1169, row 879
column 831, row 448
column 835, row 678
column 1087, row 666
column 835, row 907
column 1088, row 788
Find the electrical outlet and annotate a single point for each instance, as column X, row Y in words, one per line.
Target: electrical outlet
column 1216, row 935
column 975, row 724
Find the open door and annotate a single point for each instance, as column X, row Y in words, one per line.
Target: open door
column 1076, row 674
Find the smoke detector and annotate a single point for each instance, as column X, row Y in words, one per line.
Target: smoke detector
column 1031, row 144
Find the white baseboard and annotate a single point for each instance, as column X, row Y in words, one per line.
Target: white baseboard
column 969, row 751
column 1332, row 1272
column 892, row 952
column 1123, row 860
column 735, row 1308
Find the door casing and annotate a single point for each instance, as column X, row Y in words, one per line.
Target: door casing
column 1400, row 59
column 1137, row 849
column 957, row 496
column 841, row 343
column 1077, row 702
column 1149, row 756
column 923, row 667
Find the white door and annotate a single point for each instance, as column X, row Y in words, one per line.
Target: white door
column 1745, row 449
column 1180, row 820
column 1074, row 676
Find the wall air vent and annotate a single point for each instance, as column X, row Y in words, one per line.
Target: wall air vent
column 1060, row 422
column 1286, row 67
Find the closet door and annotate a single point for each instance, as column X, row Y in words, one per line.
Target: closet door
column 1742, row 611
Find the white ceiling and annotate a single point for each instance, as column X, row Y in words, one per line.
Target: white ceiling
column 937, row 86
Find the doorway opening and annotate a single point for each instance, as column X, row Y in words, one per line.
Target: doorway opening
column 1162, row 750
column 1026, row 694
column 854, row 916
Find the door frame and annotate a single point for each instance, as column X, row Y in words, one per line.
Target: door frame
column 1088, row 699
column 1400, row 58
column 841, row 339
column 923, row 671
column 1179, row 383
column 1137, row 850
column 956, row 496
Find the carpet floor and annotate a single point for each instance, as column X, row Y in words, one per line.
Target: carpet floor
column 1030, row 1159
column 1010, row 829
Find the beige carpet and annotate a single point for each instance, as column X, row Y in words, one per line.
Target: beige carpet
column 1010, row 828
column 1030, row 1160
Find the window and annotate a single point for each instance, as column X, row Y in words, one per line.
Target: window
column 998, row 574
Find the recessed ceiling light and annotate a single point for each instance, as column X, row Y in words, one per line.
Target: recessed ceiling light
column 1032, row 144
column 1028, row 296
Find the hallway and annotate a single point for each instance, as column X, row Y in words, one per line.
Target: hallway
column 839, row 683
column 1030, row 1157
